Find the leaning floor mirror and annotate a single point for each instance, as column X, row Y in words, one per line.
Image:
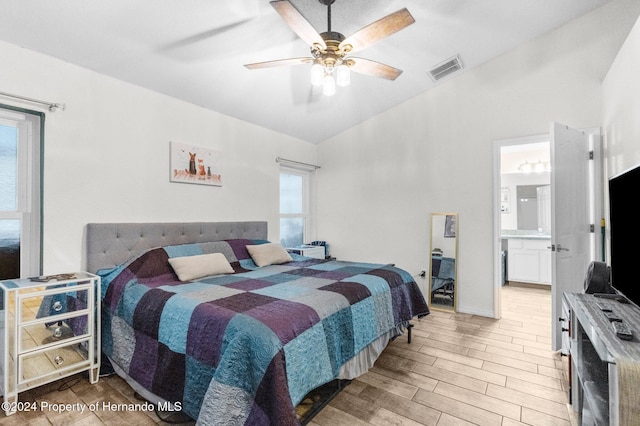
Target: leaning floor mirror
column 444, row 251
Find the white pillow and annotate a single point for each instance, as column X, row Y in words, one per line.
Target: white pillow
column 268, row 254
column 189, row 268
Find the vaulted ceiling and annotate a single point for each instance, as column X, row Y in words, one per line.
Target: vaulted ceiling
column 195, row 50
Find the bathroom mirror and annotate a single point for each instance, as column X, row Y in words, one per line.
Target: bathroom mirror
column 443, row 265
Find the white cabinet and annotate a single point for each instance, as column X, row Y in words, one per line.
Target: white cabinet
column 49, row 330
column 545, row 264
column 529, row 260
column 308, row 251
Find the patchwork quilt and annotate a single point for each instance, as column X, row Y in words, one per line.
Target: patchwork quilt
column 245, row 348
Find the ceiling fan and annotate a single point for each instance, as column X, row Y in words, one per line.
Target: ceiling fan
column 329, row 49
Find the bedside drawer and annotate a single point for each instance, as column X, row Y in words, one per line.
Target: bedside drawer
column 59, row 302
column 39, row 334
column 49, row 329
column 316, row 252
column 34, row 365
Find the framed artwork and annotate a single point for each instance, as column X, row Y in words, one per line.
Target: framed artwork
column 450, row 226
column 195, row 164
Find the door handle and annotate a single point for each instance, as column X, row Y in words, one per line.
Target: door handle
column 560, row 248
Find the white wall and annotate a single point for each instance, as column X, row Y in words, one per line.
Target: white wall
column 106, row 157
column 621, row 111
column 621, row 108
column 381, row 180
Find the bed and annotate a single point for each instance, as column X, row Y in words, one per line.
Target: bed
column 244, row 346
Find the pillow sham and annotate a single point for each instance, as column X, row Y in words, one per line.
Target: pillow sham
column 189, row 268
column 268, row 254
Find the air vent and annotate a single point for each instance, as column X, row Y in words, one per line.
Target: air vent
column 446, row 68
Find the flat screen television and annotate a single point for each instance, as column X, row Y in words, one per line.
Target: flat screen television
column 624, row 228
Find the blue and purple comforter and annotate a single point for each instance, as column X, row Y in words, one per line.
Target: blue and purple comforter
column 245, row 348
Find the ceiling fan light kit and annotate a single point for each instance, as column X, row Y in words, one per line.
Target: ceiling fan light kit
column 329, row 49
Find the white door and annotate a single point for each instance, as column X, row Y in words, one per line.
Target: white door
column 570, row 217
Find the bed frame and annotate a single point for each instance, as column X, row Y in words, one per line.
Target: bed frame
column 110, row 244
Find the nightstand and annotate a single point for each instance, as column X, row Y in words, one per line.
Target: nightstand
column 49, row 330
column 308, row 251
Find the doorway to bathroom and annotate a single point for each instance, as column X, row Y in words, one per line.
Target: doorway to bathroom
column 525, row 213
column 575, row 203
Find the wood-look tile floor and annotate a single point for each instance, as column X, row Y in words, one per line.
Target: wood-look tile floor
column 459, row 370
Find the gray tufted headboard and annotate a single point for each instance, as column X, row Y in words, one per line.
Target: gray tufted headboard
column 110, row 244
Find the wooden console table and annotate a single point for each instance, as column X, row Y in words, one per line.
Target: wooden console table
column 593, row 348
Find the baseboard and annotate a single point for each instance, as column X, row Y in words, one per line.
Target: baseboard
column 528, row 285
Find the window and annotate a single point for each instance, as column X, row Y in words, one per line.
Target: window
column 20, row 214
column 295, row 207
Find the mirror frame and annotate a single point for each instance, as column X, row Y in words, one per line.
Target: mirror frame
column 454, row 232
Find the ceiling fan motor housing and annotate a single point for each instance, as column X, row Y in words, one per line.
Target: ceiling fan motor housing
column 334, row 53
column 332, row 36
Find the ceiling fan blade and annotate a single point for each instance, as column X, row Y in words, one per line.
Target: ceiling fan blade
column 279, row 63
column 373, row 68
column 378, row 30
column 298, row 23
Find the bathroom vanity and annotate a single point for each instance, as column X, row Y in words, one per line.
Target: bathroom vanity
column 528, row 257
